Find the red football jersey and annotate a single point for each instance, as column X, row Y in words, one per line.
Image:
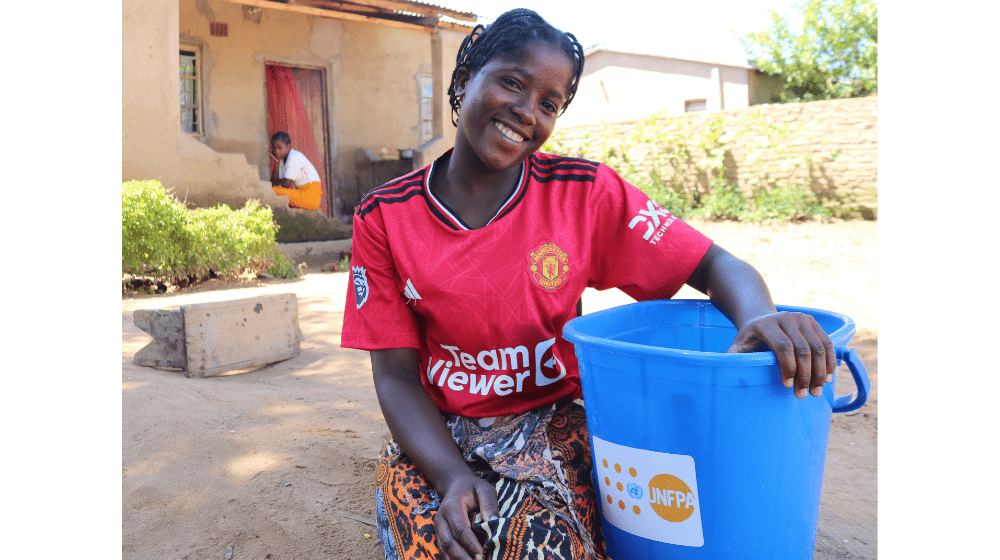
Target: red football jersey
column 486, row 307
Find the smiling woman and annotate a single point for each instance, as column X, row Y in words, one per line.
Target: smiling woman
column 464, row 274
column 511, row 111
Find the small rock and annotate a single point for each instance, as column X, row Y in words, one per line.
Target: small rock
column 232, row 431
column 229, row 552
column 264, row 275
column 286, row 483
column 330, row 267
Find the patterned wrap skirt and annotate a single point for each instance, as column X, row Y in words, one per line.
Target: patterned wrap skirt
column 540, row 464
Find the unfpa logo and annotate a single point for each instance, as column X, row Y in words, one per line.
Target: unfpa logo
column 669, row 497
column 649, row 494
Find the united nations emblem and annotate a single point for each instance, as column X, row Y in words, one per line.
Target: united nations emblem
column 549, row 266
column 360, row 285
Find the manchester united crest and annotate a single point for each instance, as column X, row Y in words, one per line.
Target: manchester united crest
column 549, row 266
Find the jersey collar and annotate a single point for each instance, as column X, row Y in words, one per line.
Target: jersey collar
column 443, row 213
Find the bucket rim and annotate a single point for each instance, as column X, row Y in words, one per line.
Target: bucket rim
column 841, row 337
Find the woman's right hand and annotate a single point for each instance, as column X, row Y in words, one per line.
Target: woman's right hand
column 465, row 495
column 417, row 426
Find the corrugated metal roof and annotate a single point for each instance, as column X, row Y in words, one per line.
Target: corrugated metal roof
column 441, row 9
column 404, row 7
column 390, row 12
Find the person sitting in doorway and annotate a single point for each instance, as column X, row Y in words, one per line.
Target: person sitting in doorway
column 293, row 176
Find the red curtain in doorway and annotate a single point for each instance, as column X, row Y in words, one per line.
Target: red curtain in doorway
column 286, row 111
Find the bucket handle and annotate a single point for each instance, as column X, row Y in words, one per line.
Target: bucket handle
column 848, row 403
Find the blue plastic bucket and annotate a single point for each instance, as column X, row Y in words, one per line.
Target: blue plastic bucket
column 697, row 453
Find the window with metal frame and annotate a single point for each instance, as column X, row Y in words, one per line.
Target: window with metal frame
column 693, row 105
column 190, row 63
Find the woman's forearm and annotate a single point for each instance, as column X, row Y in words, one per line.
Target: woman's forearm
column 274, row 173
column 413, row 418
column 734, row 286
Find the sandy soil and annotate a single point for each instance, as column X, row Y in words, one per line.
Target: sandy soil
column 278, row 462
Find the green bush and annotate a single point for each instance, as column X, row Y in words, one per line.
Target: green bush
column 228, row 241
column 785, row 203
column 283, row 267
column 166, row 241
column 724, row 202
column 154, row 227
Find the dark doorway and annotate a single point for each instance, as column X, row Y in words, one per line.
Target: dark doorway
column 296, row 104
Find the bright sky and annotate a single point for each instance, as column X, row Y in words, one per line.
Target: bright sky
column 699, row 30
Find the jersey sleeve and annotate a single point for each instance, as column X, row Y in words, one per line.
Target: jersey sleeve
column 639, row 246
column 376, row 315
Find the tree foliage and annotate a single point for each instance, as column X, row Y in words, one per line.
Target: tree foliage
column 834, row 56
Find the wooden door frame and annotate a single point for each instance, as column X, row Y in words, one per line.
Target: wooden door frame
column 328, row 124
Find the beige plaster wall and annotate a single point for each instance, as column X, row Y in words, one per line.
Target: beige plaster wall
column 372, row 93
column 619, row 87
column 371, row 75
column 153, row 146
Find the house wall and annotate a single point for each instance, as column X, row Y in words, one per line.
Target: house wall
column 619, row 87
column 372, row 94
column 840, row 136
column 152, row 145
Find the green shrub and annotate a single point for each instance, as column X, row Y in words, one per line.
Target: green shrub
column 154, row 229
column 228, row 241
column 785, row 203
column 724, row 202
column 283, row 267
column 163, row 240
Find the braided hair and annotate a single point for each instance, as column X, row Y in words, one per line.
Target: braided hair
column 509, row 32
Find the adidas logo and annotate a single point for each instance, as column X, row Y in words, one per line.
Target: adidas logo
column 410, row 291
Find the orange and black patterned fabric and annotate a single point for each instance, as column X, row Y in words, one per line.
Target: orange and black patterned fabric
column 540, row 464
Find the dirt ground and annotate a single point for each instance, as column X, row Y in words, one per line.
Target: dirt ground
column 278, row 462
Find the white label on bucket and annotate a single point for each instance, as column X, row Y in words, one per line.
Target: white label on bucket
column 649, row 494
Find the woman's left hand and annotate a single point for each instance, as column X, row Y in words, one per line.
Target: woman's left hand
column 804, row 350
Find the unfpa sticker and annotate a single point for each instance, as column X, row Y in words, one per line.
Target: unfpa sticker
column 649, row 494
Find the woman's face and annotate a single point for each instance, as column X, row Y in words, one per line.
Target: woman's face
column 509, row 106
column 280, row 149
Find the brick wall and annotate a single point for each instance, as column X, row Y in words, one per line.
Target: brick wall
column 839, row 138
